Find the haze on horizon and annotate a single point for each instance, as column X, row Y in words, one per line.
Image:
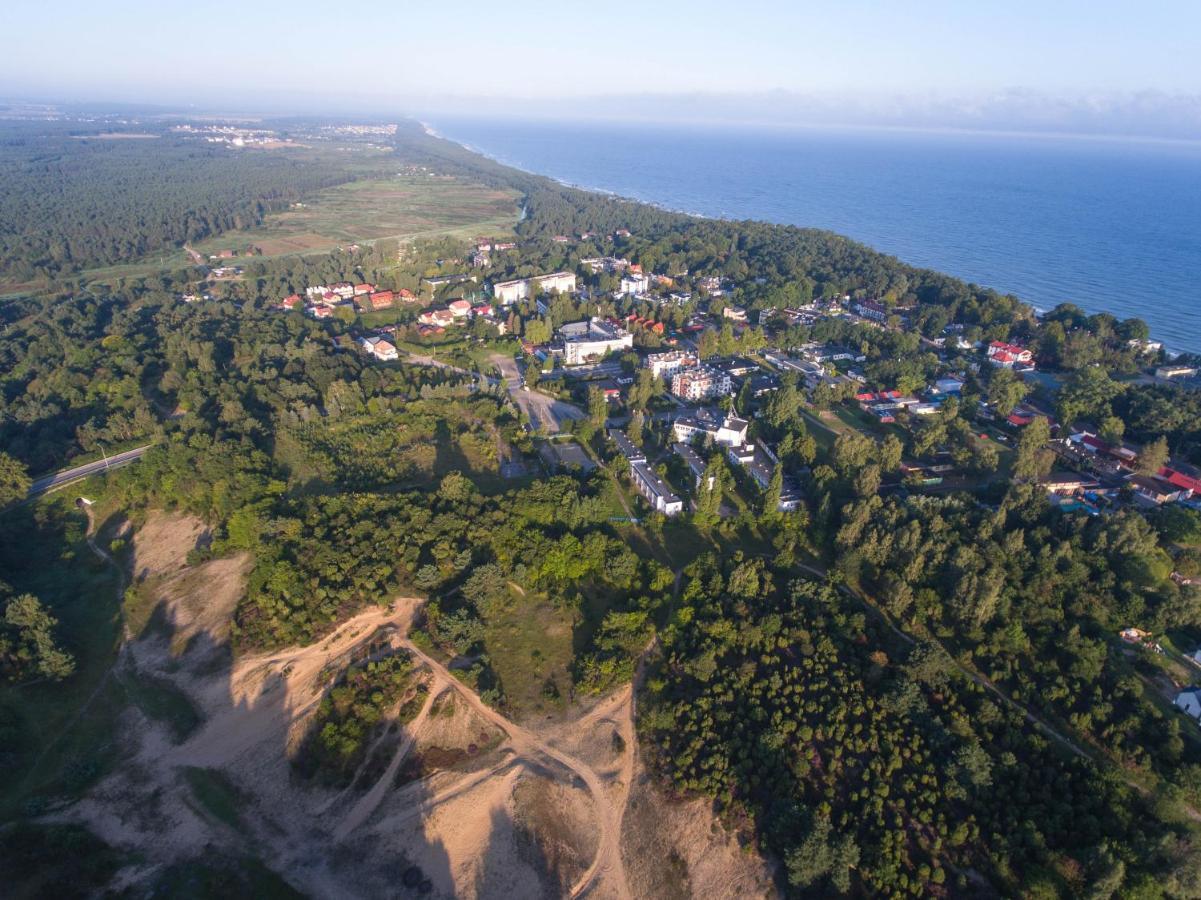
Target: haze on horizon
column 1104, row 66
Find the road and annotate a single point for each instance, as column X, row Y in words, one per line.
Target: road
column 419, row 360
column 52, row 482
column 545, row 413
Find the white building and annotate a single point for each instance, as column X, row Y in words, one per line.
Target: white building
column 729, row 431
column 1189, row 700
column 633, row 284
column 645, row 479
column 583, row 342
column 664, row 364
column 380, row 348
column 507, row 292
column 701, row 383
column 761, row 464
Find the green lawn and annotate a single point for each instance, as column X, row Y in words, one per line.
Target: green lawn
column 530, row 648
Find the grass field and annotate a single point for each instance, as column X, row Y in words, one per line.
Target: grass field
column 530, row 648
column 402, row 208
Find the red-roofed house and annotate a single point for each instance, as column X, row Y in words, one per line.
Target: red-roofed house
column 361, row 289
column 404, row 295
column 382, row 299
column 291, row 301
column 1009, row 355
column 460, row 309
column 1181, row 479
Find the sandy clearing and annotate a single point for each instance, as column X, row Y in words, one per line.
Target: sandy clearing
column 162, row 544
column 542, row 810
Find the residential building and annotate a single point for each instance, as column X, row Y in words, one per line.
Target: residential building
column 436, row 317
column 735, row 313
column 610, row 264
column 729, row 430
column 1010, row 356
column 1176, row 372
column 381, row 299
column 870, row 309
column 734, row 366
column 656, row 491
column 380, row 348
column 438, row 281
column 633, row 285
column 701, row 383
column 582, row 342
column 828, row 353
column 692, row 459
column 1189, row 700
column 361, row 289
column 1183, row 476
column 507, row 292
column 460, row 309
column 1156, row 491
column 761, row 465
column 665, row 364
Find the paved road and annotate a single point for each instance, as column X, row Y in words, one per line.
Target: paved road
column 51, row 482
column 544, row 412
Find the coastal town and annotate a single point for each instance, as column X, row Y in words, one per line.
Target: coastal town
column 702, row 398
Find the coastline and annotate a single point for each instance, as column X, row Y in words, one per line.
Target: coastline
column 1039, row 308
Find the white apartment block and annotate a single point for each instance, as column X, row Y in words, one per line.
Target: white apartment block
column 664, row 364
column 701, row 383
column 583, row 342
column 507, row 292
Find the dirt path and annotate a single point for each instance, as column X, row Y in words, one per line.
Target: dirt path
column 367, row 804
column 607, row 863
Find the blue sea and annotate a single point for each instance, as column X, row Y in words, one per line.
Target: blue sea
column 1110, row 225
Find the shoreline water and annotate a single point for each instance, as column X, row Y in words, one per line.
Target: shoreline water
column 1059, row 282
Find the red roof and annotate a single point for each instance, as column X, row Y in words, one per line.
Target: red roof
column 1019, row 420
column 1180, row 480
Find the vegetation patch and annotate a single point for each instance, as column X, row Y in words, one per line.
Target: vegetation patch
column 350, row 717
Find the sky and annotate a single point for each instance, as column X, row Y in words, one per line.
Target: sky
column 414, row 56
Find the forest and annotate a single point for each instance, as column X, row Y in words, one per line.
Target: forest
column 70, row 202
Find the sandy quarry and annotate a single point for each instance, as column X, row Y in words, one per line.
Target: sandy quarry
column 485, row 807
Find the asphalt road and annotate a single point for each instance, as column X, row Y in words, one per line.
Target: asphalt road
column 66, row 476
column 545, row 413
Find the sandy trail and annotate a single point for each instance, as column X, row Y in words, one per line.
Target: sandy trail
column 367, row 804
column 607, row 863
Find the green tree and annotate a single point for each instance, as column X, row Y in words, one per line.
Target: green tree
column 27, row 646
column 1005, row 390
column 1154, row 456
column 1033, row 460
column 14, row 480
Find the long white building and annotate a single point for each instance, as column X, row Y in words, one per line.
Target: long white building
column 583, row 342
column 656, row 491
column 507, row 292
